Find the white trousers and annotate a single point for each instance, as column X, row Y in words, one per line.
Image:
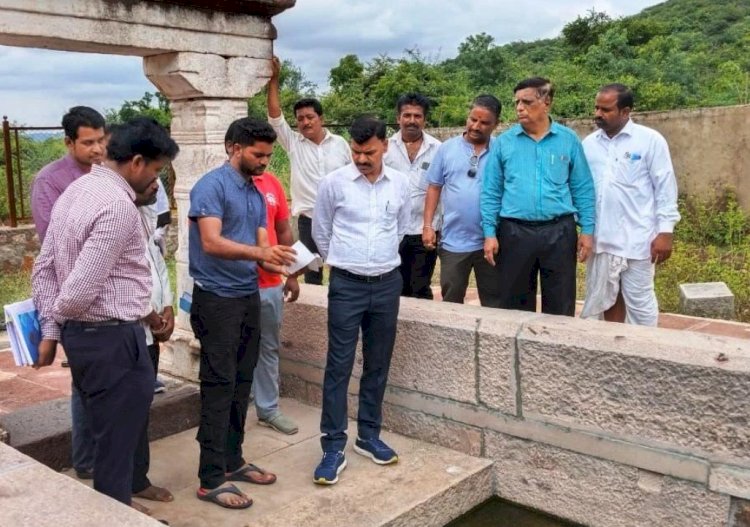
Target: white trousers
column 607, row 274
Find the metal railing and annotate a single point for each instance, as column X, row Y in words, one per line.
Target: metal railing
column 18, row 176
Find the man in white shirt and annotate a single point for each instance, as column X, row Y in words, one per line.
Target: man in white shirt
column 410, row 150
column 313, row 152
column 636, row 211
column 361, row 214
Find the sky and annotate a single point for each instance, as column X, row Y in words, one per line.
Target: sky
column 38, row 86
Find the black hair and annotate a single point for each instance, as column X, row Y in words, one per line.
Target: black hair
column 543, row 87
column 625, row 97
column 365, row 127
column 414, row 99
column 79, row 116
column 309, row 103
column 140, row 136
column 489, row 102
column 246, row 131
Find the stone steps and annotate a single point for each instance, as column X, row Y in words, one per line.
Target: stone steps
column 430, row 485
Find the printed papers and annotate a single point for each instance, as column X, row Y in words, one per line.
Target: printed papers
column 24, row 332
column 305, row 258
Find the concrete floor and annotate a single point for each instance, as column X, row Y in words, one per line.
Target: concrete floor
column 430, row 485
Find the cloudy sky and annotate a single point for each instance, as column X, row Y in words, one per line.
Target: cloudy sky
column 39, row 85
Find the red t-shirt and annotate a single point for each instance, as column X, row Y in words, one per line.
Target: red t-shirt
column 277, row 210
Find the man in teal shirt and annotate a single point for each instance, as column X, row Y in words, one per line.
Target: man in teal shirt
column 536, row 186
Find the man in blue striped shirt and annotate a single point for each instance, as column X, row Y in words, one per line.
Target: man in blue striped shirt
column 536, row 186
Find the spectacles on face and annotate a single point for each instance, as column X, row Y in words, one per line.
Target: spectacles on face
column 473, row 164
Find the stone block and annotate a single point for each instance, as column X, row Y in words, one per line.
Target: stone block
column 304, row 331
column 436, row 349
column 708, row 299
column 676, row 388
column 443, row 432
column 180, row 357
column 498, row 359
column 731, row 480
column 597, row 492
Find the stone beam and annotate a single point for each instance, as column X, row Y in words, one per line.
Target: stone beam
column 139, row 28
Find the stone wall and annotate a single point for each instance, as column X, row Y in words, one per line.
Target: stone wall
column 710, row 146
column 18, row 248
column 602, row 424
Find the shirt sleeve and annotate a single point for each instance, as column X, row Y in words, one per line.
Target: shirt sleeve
column 582, row 189
column 163, row 273
column 665, row 185
column 283, row 130
column 45, row 290
column 206, row 199
column 491, row 197
column 322, row 220
column 110, row 235
column 435, row 173
column 43, row 197
column 404, row 213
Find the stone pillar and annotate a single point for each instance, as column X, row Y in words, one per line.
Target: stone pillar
column 207, row 92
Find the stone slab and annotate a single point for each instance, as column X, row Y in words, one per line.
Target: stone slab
column 596, row 492
column 707, row 299
column 639, row 383
column 731, row 480
column 33, row 494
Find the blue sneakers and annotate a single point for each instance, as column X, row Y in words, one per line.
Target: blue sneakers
column 332, row 464
column 376, row 450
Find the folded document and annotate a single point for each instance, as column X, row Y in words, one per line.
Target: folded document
column 24, row 331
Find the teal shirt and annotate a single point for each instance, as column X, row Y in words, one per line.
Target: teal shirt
column 537, row 180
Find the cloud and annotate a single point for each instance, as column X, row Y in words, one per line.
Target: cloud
column 38, row 86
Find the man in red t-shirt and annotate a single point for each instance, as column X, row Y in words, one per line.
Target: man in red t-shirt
column 273, row 290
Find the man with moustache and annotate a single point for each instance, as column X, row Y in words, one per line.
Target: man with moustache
column 85, row 141
column 636, row 211
column 228, row 240
column 410, row 150
column 537, row 183
column 361, row 214
column 92, row 286
column 313, row 152
column 455, row 180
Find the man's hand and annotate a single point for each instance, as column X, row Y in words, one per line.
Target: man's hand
column 275, row 68
column 291, row 289
column 279, row 255
column 491, row 248
column 585, row 246
column 661, row 247
column 429, row 238
column 272, row 268
column 47, row 350
column 163, row 334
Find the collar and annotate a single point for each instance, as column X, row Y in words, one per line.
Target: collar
column 470, row 146
column 236, row 177
column 554, row 128
column 354, row 172
column 326, row 136
column 626, row 130
column 115, row 177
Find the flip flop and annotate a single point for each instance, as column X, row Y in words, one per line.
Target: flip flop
column 243, row 474
column 213, row 497
column 155, row 493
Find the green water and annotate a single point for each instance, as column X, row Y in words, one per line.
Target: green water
column 499, row 513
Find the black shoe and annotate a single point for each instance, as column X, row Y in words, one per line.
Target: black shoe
column 85, row 474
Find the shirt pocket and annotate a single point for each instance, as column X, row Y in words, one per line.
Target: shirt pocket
column 630, row 168
column 557, row 167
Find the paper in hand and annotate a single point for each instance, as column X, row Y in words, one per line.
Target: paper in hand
column 305, row 258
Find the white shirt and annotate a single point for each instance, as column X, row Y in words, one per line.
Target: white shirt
column 636, row 190
column 358, row 225
column 309, row 162
column 161, row 292
column 397, row 157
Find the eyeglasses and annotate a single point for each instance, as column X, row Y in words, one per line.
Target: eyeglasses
column 473, row 164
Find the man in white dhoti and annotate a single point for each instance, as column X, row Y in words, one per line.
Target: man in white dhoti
column 636, row 211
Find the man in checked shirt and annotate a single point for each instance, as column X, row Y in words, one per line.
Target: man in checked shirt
column 92, row 286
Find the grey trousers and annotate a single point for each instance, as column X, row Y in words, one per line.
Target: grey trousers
column 455, row 269
column 266, row 375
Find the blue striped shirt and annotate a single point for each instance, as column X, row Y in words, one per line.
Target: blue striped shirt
column 534, row 180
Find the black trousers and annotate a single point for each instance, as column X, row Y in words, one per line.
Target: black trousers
column 371, row 307
column 142, row 457
column 304, row 226
column 529, row 251
column 229, row 333
column 417, row 267
column 112, row 370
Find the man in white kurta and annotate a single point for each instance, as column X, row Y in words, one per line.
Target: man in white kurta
column 636, row 211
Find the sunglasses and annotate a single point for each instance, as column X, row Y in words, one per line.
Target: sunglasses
column 473, row 164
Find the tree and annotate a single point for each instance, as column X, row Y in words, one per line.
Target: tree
column 154, row 105
column 584, row 32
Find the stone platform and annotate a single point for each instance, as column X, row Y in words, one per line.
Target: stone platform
column 429, row 486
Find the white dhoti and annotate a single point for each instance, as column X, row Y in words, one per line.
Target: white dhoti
column 607, row 275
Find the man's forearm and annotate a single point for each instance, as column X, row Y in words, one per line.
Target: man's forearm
column 430, row 204
column 272, row 100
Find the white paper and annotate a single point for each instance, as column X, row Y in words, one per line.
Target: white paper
column 305, row 258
